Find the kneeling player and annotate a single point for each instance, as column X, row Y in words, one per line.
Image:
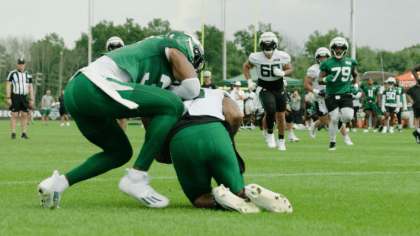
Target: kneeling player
column 202, row 146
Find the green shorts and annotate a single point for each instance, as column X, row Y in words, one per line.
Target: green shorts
column 201, row 152
column 46, row 112
column 370, row 106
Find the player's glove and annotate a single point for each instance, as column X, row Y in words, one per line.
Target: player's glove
column 322, row 93
column 397, row 110
column 328, row 78
column 278, row 72
column 251, row 85
column 356, row 86
column 383, row 110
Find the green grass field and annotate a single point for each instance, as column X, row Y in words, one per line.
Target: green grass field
column 371, row 188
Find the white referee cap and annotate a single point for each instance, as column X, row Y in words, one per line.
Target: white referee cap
column 237, row 83
column 207, row 73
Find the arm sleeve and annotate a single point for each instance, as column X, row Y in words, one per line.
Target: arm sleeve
column 188, row 89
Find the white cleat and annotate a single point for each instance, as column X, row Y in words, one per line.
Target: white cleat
column 271, row 141
column 354, row 130
column 366, row 131
column 347, row 141
column 281, row 143
column 347, row 129
column 62, row 124
column 68, row 123
column 391, row 130
column 50, row 191
column 230, row 201
column 375, row 131
column 312, row 133
column 384, row 130
column 293, row 138
column 267, row 199
column 136, row 184
column 264, row 133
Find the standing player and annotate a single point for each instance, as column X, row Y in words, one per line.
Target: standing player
column 112, row 44
column 357, row 94
column 336, row 73
column 381, row 115
column 413, row 95
column 129, row 82
column 403, row 104
column 311, row 84
column 272, row 65
column 370, row 99
column 63, row 111
column 249, row 109
column 390, row 105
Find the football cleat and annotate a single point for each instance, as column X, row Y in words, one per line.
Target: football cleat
column 224, row 197
column 348, row 130
column 366, row 131
column 417, row 136
column 354, row 130
column 381, row 128
column 136, row 184
column 68, row 123
column 267, row 199
column 399, row 130
column 332, row 146
column 264, row 133
column 24, row 136
column 375, row 131
column 347, row 141
column 62, row 124
column 313, row 130
column 293, row 138
column 391, row 130
column 270, row 140
column 281, row 143
column 50, row 191
column 384, row 130
column 13, row 136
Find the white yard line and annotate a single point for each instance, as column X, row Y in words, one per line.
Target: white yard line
column 248, row 176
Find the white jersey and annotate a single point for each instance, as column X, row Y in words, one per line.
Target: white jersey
column 250, row 101
column 313, row 72
column 208, row 103
column 235, row 94
column 266, row 66
column 356, row 99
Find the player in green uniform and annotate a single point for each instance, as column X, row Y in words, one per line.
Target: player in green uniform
column 336, row 73
column 403, row 103
column 370, row 98
column 390, row 105
column 124, row 83
column 310, row 112
column 357, row 97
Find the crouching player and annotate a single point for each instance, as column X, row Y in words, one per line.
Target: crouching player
column 201, row 146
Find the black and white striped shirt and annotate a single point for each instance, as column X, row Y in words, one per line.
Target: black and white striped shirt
column 20, row 81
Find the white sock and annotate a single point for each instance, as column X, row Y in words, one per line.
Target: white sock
column 399, row 126
column 63, row 183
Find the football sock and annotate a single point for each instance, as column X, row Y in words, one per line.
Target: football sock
column 399, row 126
column 269, row 131
column 281, row 136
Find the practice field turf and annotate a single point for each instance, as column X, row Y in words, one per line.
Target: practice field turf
column 371, row 188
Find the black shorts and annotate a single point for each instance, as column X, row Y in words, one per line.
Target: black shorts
column 334, row 101
column 390, row 109
column 19, row 103
column 321, row 108
column 273, row 101
column 289, row 118
column 63, row 111
column 416, row 111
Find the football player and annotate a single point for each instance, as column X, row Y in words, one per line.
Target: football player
column 336, row 73
column 202, row 141
column 390, row 104
column 413, row 95
column 112, row 44
column 311, row 84
column 403, row 103
column 370, row 99
column 124, row 83
column 357, row 94
column 381, row 115
column 272, row 65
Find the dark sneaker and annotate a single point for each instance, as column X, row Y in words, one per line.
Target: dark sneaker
column 381, row 128
column 332, row 146
column 24, row 136
column 13, row 136
column 415, row 133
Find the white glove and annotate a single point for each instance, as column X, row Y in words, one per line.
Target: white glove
column 383, row 110
column 405, row 108
column 251, row 85
column 397, row 110
column 315, row 91
column 278, row 72
column 356, row 86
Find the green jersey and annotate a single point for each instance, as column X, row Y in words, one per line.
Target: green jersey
column 340, row 73
column 311, row 109
column 370, row 92
column 146, row 61
column 391, row 97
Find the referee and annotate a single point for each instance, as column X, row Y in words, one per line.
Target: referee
column 19, row 85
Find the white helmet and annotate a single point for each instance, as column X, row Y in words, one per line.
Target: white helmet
column 339, row 42
column 114, row 42
column 405, row 114
column 322, row 52
column 391, row 81
column 268, row 39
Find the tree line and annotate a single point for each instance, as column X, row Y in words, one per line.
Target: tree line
column 43, row 57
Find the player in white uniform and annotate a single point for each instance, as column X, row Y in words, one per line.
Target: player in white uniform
column 272, row 65
column 249, row 109
column 311, row 84
column 202, row 141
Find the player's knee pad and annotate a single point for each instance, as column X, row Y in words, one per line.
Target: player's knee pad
column 346, row 114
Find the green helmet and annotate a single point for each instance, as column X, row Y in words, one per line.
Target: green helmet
column 195, row 52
